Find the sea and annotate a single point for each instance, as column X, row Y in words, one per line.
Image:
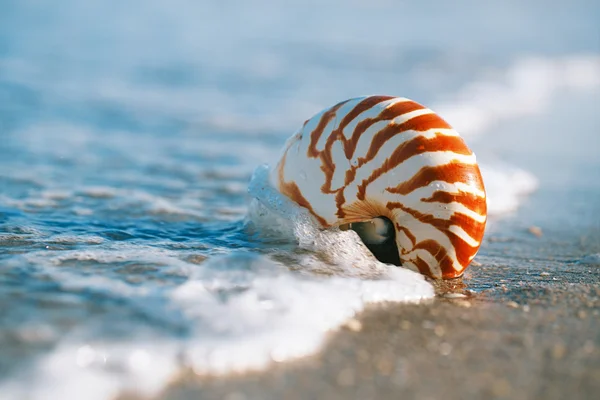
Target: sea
column 139, row 238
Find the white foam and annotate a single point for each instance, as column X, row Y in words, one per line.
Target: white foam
column 70, row 239
column 278, row 315
column 505, row 186
column 97, row 371
column 527, row 87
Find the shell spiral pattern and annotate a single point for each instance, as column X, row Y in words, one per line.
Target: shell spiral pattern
column 383, row 156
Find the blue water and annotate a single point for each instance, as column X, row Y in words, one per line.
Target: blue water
column 129, row 133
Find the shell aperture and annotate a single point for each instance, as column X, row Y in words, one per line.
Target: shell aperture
column 389, row 157
column 380, row 238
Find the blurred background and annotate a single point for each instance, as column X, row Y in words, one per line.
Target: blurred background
column 129, row 131
column 260, row 66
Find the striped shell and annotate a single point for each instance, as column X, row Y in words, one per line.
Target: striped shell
column 383, row 156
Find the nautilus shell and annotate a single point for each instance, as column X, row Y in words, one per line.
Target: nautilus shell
column 391, row 169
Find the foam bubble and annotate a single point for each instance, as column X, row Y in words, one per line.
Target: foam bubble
column 505, row 186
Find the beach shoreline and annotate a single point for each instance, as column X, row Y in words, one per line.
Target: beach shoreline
column 523, row 323
column 530, row 335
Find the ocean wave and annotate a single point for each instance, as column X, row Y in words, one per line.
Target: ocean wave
column 526, row 87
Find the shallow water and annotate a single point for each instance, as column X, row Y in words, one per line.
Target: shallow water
column 129, row 134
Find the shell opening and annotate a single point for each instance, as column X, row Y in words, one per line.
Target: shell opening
column 379, row 236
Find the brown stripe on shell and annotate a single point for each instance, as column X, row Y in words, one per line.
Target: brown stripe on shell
column 293, row 192
column 407, row 232
column 422, row 266
column 413, row 147
column 453, row 172
column 316, row 134
column 339, row 202
column 440, row 254
column 469, row 200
